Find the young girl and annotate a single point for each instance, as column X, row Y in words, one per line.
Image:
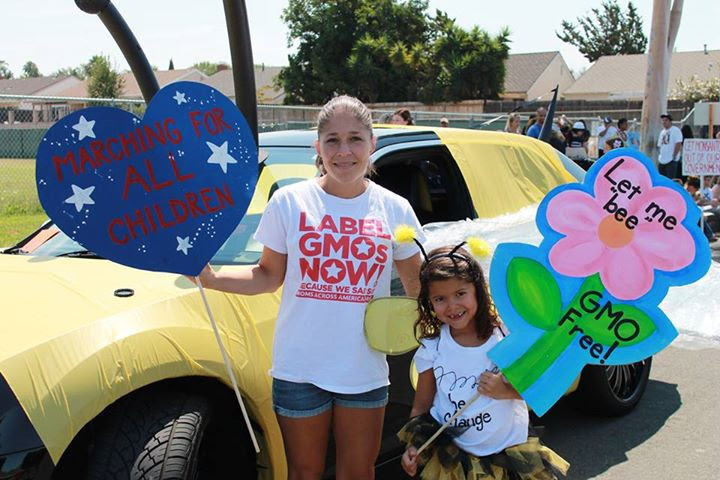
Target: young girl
column 457, row 326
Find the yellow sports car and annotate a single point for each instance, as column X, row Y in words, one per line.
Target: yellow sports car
column 108, row 372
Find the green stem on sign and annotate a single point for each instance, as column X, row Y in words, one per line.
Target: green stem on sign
column 532, row 364
column 524, row 371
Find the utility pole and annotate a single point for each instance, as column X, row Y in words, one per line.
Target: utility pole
column 664, row 29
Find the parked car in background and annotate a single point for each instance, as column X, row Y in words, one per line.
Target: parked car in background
column 105, row 370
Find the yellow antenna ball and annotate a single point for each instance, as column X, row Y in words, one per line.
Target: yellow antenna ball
column 404, row 234
column 478, row 247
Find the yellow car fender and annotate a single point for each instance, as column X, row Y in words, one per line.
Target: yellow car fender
column 68, row 380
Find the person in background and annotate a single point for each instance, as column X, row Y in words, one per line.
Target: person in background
column 608, row 131
column 577, row 149
column 385, row 118
column 512, row 125
column 692, row 185
column 531, row 121
column 402, row 116
column 534, row 130
column 444, row 122
column 670, row 145
column 557, row 138
column 622, row 130
column 613, row 143
column 687, row 132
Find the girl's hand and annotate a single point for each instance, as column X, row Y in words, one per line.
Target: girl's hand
column 409, row 461
column 495, row 386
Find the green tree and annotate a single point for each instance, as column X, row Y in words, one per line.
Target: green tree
column 327, row 34
column 389, row 51
column 171, row 65
column 469, row 64
column 5, row 72
column 208, row 68
column 78, row 72
column 30, row 70
column 103, row 80
column 606, row 31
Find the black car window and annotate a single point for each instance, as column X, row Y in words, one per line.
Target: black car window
column 430, row 179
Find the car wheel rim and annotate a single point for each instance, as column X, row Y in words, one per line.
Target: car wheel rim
column 624, row 380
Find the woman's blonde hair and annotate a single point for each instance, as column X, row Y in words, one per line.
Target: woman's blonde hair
column 509, row 121
column 348, row 104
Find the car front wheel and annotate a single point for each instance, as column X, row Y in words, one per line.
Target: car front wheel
column 611, row 390
column 154, row 437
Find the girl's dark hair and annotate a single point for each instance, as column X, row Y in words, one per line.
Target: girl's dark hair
column 405, row 114
column 445, row 263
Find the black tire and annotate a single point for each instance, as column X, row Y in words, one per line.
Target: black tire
column 611, row 390
column 151, row 436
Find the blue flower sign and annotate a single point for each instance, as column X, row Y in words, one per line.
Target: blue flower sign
column 590, row 293
column 160, row 193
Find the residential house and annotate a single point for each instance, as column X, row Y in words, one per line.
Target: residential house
column 622, row 77
column 265, row 90
column 531, row 75
column 16, row 110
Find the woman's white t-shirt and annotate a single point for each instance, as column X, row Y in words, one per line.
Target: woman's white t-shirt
column 488, row 426
column 340, row 253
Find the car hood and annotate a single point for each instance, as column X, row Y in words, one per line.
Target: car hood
column 47, row 297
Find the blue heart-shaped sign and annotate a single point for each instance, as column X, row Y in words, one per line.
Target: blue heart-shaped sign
column 160, row 193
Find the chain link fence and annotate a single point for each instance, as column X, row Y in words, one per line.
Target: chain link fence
column 25, row 119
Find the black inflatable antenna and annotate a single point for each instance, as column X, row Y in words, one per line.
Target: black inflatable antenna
column 242, row 61
column 240, row 53
column 547, row 125
column 127, row 42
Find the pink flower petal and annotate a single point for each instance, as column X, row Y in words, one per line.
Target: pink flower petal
column 625, row 274
column 577, row 256
column 573, row 211
column 657, row 199
column 630, row 169
column 666, row 250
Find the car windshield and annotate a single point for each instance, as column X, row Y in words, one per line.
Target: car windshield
column 239, row 249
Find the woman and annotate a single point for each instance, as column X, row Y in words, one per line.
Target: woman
column 328, row 241
column 513, row 123
column 402, row 116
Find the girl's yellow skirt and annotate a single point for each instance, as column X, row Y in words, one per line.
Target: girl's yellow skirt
column 443, row 460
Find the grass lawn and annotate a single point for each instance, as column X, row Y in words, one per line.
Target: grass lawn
column 14, row 228
column 18, row 194
column 20, row 210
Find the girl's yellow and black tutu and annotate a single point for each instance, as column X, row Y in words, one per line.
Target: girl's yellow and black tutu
column 443, row 460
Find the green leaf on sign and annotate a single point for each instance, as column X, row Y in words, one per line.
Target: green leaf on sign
column 534, row 293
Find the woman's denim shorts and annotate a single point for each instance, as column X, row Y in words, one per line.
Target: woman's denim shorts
column 300, row 400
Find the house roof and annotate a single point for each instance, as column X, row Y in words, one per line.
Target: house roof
column 523, row 69
column 265, row 89
column 131, row 89
column 27, row 86
column 624, row 75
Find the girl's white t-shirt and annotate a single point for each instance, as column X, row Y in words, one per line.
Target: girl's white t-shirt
column 488, row 426
column 340, row 253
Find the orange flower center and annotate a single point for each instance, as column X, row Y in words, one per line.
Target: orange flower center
column 613, row 233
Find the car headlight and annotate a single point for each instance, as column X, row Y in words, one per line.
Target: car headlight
column 22, row 453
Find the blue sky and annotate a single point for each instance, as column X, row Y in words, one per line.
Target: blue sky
column 55, row 33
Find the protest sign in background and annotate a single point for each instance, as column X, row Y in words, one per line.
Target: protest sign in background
column 701, row 157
